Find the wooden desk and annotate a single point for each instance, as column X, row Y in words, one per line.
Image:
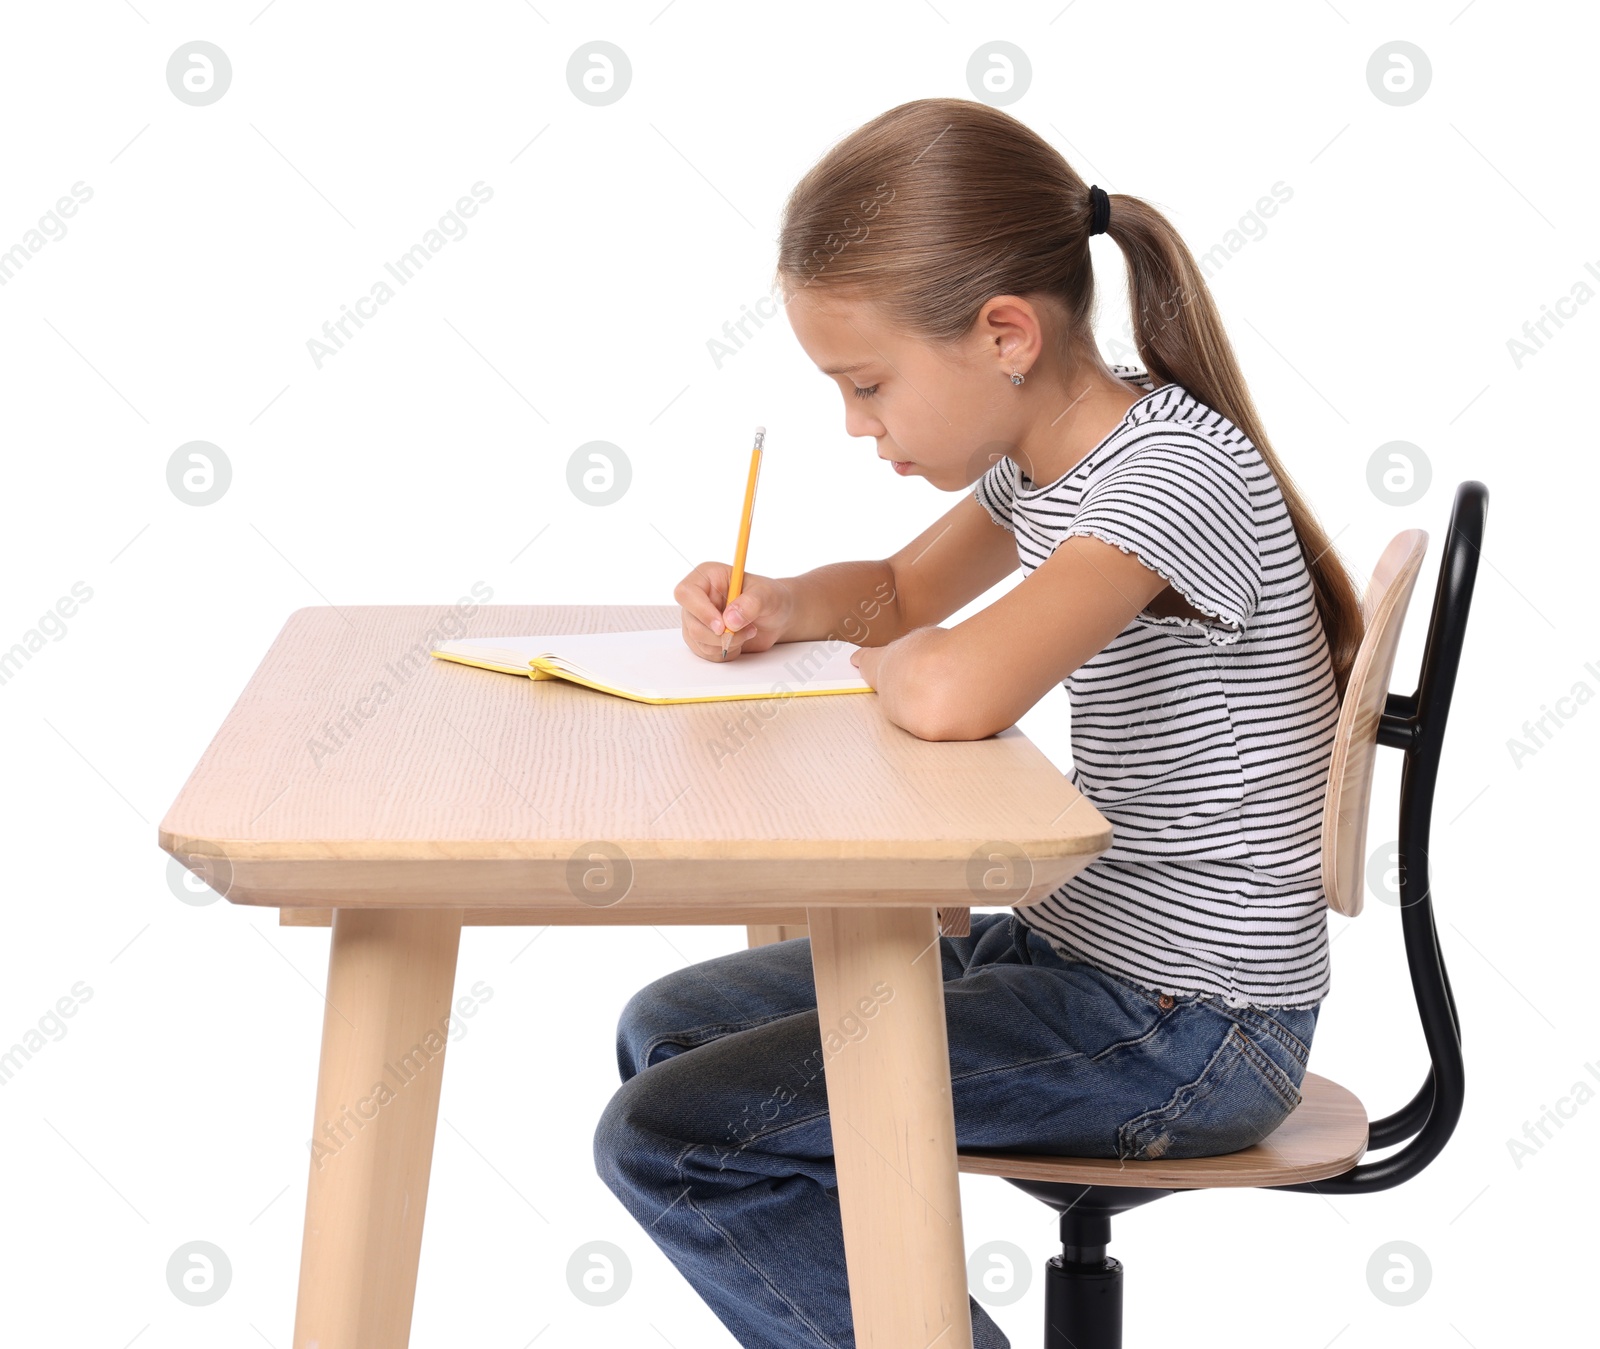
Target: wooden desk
column 411, row 795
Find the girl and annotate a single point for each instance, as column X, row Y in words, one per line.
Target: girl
column 936, row 265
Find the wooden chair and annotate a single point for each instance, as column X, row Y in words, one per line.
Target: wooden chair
column 1318, row 1148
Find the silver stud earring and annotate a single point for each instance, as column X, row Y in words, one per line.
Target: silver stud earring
column 1015, row 377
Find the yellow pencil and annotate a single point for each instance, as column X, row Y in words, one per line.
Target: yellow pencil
column 737, row 581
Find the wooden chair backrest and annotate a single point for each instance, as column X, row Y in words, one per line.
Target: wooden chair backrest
column 1355, row 746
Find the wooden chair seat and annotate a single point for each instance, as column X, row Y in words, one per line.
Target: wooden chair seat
column 1325, row 1136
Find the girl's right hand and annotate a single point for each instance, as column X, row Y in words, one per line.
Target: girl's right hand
column 755, row 620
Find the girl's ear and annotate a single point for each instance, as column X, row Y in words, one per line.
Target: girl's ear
column 1011, row 331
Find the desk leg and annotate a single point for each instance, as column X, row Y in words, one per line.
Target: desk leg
column 390, row 976
column 763, row 933
column 878, row 971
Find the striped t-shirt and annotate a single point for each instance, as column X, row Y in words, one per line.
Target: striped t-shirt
column 1206, row 744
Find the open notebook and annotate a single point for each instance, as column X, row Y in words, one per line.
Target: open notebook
column 655, row 666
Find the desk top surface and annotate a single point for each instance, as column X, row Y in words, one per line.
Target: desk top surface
column 351, row 742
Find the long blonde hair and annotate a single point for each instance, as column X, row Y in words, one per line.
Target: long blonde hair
column 934, row 207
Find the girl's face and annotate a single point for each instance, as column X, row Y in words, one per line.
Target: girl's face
column 944, row 413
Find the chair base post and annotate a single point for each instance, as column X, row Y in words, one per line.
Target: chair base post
column 1083, row 1304
column 1083, row 1285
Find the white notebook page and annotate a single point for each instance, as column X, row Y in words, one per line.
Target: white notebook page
column 656, row 663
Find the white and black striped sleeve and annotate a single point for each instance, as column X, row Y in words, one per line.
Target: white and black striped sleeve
column 996, row 490
column 1184, row 509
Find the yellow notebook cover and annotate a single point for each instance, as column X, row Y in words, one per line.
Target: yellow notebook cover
column 656, row 666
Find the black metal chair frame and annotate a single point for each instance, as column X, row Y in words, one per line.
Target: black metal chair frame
column 1083, row 1292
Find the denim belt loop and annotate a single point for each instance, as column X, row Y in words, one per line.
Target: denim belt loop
column 1019, row 939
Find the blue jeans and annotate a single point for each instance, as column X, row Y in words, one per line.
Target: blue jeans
column 718, row 1141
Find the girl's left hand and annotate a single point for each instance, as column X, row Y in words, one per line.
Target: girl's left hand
column 868, row 660
column 904, row 675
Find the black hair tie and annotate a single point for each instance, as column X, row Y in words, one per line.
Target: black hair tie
column 1101, row 205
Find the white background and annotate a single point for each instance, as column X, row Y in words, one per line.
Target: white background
column 425, row 455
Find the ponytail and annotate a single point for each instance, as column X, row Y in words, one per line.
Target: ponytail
column 1180, row 339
